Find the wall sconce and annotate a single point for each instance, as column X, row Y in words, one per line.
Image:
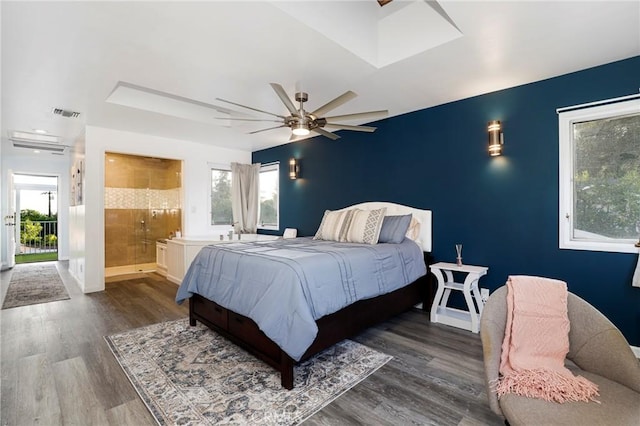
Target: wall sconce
column 294, row 169
column 496, row 138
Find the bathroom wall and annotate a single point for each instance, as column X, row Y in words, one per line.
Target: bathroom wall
column 142, row 203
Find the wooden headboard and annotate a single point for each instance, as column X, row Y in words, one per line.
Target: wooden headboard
column 422, row 216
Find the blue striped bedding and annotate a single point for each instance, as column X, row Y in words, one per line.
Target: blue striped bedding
column 285, row 285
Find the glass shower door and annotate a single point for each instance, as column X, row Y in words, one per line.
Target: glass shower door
column 144, row 255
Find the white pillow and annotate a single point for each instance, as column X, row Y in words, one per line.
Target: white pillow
column 364, row 226
column 414, row 229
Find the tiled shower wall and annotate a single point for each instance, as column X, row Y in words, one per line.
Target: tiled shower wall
column 142, row 204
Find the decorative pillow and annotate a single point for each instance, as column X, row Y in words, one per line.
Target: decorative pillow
column 414, row 229
column 364, row 226
column 334, row 225
column 394, row 228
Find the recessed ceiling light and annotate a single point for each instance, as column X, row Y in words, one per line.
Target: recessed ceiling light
column 35, row 151
column 40, row 131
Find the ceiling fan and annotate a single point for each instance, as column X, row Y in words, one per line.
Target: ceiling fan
column 302, row 122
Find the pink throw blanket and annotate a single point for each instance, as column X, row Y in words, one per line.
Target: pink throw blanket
column 536, row 342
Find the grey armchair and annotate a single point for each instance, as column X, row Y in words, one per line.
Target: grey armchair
column 597, row 351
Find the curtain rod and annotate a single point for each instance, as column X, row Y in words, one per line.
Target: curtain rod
column 597, row 103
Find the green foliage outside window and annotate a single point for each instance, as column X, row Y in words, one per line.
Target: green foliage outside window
column 35, row 215
column 30, row 233
column 607, row 177
column 50, row 240
column 221, row 213
column 269, row 189
column 269, row 212
column 221, row 210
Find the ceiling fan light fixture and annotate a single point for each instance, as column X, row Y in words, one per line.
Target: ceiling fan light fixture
column 300, row 129
column 302, row 123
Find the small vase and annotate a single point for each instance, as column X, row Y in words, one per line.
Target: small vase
column 459, row 254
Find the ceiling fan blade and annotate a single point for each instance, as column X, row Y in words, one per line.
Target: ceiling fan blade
column 251, row 108
column 285, row 99
column 359, row 115
column 347, row 127
column 246, row 119
column 264, row 130
column 345, row 97
column 325, row 133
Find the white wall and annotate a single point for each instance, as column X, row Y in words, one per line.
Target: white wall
column 3, row 200
column 41, row 164
column 77, row 228
column 89, row 219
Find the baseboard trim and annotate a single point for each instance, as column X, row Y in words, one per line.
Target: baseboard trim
column 636, row 351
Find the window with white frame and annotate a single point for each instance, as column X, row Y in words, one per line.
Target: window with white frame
column 269, row 211
column 269, row 195
column 600, row 176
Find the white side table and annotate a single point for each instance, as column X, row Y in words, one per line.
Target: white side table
column 470, row 319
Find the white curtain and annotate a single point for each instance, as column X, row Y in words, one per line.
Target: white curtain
column 244, row 196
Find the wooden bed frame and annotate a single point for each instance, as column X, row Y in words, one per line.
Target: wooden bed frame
column 332, row 328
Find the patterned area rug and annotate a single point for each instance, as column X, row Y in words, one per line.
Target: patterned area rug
column 31, row 284
column 191, row 375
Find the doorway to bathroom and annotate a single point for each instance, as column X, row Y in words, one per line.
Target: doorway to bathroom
column 142, row 205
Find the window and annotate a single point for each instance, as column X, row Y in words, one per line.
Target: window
column 221, row 213
column 268, row 213
column 600, row 177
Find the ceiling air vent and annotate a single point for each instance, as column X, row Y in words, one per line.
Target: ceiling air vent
column 66, row 113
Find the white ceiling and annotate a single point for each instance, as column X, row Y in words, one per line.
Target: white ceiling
column 409, row 55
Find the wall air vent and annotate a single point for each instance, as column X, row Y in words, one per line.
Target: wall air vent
column 37, row 141
column 66, row 113
column 40, row 146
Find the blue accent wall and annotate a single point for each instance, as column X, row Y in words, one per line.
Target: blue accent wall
column 504, row 210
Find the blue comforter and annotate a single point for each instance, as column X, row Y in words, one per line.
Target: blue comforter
column 285, row 285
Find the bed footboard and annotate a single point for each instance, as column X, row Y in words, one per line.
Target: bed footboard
column 244, row 332
column 332, row 329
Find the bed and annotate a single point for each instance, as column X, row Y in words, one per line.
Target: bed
column 286, row 300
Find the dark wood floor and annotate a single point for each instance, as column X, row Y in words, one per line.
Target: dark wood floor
column 57, row 369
